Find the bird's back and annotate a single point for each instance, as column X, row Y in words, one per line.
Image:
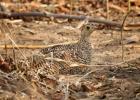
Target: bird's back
column 76, row 52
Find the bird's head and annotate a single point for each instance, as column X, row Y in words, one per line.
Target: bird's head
column 87, row 29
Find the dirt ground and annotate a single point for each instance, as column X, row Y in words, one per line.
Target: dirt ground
column 110, row 78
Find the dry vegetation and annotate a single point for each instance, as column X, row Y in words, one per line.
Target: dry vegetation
column 115, row 68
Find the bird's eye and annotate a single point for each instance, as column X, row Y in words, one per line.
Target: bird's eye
column 88, row 27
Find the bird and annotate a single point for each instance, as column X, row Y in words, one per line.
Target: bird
column 79, row 51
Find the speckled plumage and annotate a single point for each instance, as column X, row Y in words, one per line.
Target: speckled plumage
column 38, row 61
column 77, row 52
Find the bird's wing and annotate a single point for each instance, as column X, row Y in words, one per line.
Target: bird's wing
column 57, row 47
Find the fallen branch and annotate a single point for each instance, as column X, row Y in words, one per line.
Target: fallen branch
column 46, row 46
column 16, row 15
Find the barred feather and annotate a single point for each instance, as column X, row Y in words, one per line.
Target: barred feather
column 77, row 52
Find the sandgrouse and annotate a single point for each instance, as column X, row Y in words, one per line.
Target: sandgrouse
column 79, row 51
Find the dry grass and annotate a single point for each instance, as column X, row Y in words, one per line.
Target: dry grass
column 26, row 74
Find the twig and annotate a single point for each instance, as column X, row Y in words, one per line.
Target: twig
column 123, row 23
column 45, row 46
column 120, row 9
column 107, row 9
column 6, row 51
column 24, row 46
column 72, row 64
column 132, row 46
column 77, row 82
column 134, row 26
column 71, row 6
column 129, row 5
column 16, row 15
